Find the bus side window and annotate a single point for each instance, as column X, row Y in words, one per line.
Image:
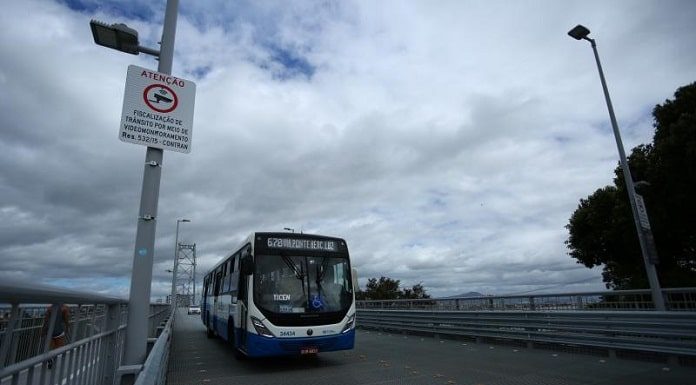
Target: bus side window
column 218, row 279
column 223, row 277
column 228, row 267
column 234, row 280
column 230, row 274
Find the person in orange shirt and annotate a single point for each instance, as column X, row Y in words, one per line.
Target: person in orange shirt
column 59, row 336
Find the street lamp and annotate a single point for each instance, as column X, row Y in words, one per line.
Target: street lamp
column 119, row 37
column 125, row 39
column 176, row 261
column 640, row 218
column 289, row 229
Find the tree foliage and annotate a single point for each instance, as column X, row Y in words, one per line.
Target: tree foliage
column 388, row 288
column 602, row 230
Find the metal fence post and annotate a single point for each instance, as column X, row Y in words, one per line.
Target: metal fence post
column 7, row 338
column 55, row 309
column 109, row 349
column 578, row 303
column 93, row 322
column 78, row 324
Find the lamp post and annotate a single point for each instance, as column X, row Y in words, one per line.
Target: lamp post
column 290, row 229
column 640, row 218
column 176, row 262
column 125, row 39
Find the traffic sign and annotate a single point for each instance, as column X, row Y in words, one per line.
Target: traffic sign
column 157, row 110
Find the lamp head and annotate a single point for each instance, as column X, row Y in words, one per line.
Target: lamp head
column 117, row 36
column 579, row 32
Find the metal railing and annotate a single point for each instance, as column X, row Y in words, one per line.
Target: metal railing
column 155, row 368
column 671, row 333
column 94, row 337
column 621, row 321
column 680, row 299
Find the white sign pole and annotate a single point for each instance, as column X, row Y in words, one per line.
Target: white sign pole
column 141, row 278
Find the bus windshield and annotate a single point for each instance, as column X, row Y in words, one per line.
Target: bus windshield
column 302, row 284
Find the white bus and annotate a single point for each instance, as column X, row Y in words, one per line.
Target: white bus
column 282, row 294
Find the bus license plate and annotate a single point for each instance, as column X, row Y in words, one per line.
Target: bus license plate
column 309, row 350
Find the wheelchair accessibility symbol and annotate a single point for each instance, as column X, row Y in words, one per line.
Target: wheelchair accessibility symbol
column 160, row 98
column 317, row 302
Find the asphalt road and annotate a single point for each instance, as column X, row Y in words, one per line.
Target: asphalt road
column 384, row 359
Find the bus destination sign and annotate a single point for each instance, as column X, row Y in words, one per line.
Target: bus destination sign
column 302, row 244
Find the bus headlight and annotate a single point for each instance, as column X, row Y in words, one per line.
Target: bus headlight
column 261, row 328
column 350, row 324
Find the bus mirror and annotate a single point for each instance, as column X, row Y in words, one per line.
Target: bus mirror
column 247, row 265
column 354, row 274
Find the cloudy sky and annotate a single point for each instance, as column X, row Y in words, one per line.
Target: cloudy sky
column 448, row 142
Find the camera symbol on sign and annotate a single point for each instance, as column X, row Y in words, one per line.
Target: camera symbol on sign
column 160, row 98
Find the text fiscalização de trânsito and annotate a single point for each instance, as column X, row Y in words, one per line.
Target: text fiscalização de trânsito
column 152, row 116
column 155, row 125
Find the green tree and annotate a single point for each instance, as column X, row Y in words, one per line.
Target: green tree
column 384, row 288
column 417, row 291
column 602, row 231
column 388, row 288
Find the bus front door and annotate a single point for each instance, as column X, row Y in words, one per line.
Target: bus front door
column 244, row 310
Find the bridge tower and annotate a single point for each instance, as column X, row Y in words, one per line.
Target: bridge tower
column 186, row 274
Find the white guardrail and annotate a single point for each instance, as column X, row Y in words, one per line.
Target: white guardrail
column 619, row 321
column 677, row 299
column 94, row 338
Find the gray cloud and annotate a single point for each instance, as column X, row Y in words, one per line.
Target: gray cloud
column 449, row 145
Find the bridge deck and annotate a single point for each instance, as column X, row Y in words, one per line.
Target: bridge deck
column 395, row 359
